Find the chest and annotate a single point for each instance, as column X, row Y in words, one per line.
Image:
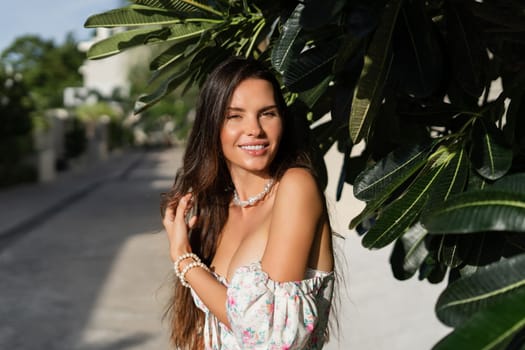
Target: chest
column 243, row 241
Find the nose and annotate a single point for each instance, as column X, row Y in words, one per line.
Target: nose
column 253, row 127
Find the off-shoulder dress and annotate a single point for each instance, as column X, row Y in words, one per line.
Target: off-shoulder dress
column 265, row 314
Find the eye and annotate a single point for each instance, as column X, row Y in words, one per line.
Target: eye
column 233, row 116
column 271, row 113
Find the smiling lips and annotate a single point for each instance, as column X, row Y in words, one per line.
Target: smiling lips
column 255, row 149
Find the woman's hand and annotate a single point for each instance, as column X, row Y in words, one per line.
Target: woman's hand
column 176, row 227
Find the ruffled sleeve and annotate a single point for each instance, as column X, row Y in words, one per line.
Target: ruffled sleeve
column 265, row 314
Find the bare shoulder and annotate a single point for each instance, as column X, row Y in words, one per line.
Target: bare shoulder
column 298, row 179
column 298, row 185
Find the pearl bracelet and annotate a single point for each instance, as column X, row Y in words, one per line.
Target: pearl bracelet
column 182, row 257
column 182, row 276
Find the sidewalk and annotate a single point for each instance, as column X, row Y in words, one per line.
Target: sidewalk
column 88, row 271
column 25, row 206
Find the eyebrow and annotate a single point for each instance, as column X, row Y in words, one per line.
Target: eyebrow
column 264, row 109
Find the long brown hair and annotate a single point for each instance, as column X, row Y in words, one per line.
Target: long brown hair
column 205, row 174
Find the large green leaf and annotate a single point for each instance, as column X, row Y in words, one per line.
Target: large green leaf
column 487, row 286
column 476, row 211
column 490, row 328
column 517, row 102
column 418, row 57
column 448, row 251
column 348, row 50
column 396, row 171
column 181, row 6
column 369, row 92
column 192, row 69
column 389, row 173
column 409, row 252
column 454, row 180
column 326, row 134
column 490, row 156
column 466, row 48
column 146, row 100
column 310, row 97
column 311, row 67
column 125, row 40
column 174, row 53
column 131, row 16
column 399, row 215
column 289, row 44
column 499, row 13
column 319, row 13
column 131, row 38
column 511, row 183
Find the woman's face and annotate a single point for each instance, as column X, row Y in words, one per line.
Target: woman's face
column 252, row 127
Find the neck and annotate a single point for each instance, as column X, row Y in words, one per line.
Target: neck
column 249, row 184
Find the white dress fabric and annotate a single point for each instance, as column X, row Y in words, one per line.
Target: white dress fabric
column 265, row 314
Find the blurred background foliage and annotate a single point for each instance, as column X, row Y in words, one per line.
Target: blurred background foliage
column 426, row 104
column 15, row 129
column 34, row 73
column 47, row 68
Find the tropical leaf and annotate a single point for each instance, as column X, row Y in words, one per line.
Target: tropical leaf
column 130, row 16
column 351, row 44
column 311, row 67
column 290, row 43
column 432, row 270
column 319, row 13
column 511, row 183
column 389, row 173
column 146, row 100
column 418, row 58
column 490, row 328
column 310, row 97
column 487, row 210
column 399, row 215
column 344, row 86
column 497, row 14
column 454, row 180
column 448, row 251
column 369, row 91
column 181, row 6
column 342, row 174
column 172, row 54
column 326, row 134
column 131, row 38
column 487, row 286
column 409, row 252
column 490, row 156
column 467, row 50
column 125, row 40
column 517, row 102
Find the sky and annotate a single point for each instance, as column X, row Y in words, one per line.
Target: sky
column 51, row 19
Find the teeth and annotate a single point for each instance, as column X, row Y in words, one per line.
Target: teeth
column 253, row 148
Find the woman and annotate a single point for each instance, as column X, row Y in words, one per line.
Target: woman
column 247, row 204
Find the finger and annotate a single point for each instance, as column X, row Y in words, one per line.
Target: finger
column 183, row 206
column 169, row 215
column 192, row 221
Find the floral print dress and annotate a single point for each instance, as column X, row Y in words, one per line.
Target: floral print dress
column 265, row 314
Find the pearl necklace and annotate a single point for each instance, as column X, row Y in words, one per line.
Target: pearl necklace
column 254, row 199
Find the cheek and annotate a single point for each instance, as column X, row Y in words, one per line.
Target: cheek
column 278, row 130
column 226, row 136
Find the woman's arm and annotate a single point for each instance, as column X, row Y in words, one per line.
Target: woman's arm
column 296, row 219
column 211, row 292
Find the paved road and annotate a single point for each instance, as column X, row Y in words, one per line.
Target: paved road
column 95, row 275
column 89, row 272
